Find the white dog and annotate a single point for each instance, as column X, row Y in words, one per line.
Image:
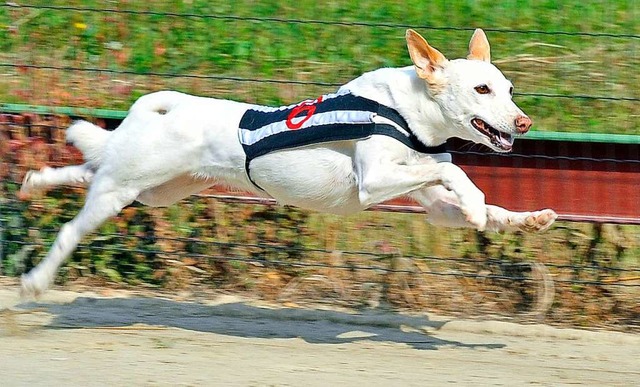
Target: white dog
column 375, row 139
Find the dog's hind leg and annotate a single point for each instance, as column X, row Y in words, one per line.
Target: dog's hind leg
column 174, row 190
column 104, row 200
column 443, row 209
column 47, row 177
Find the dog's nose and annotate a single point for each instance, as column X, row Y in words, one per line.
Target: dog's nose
column 523, row 124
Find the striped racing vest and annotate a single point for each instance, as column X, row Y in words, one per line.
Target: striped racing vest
column 331, row 117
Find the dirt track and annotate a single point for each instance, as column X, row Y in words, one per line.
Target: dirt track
column 70, row 338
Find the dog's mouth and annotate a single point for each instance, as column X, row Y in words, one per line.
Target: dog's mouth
column 501, row 140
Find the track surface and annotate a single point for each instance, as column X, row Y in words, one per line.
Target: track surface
column 81, row 338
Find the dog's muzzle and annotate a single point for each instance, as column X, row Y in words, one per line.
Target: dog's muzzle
column 501, row 140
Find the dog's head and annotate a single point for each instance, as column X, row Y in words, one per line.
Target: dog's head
column 474, row 96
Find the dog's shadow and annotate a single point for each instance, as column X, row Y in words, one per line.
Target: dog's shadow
column 242, row 320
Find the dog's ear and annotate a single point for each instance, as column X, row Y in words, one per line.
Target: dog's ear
column 479, row 48
column 424, row 57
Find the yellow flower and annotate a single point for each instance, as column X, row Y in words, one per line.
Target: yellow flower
column 80, row 26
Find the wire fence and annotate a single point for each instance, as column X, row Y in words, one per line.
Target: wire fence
column 565, row 65
column 268, row 81
column 312, row 22
column 576, row 80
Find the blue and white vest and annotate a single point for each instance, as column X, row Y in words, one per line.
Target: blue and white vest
column 331, row 117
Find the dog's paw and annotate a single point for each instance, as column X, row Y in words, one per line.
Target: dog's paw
column 27, row 185
column 33, row 285
column 30, row 183
column 538, row 221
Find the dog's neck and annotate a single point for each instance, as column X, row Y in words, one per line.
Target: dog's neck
column 402, row 90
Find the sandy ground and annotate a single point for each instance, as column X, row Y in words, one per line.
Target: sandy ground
column 88, row 338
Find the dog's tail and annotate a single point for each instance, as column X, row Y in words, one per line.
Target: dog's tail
column 89, row 138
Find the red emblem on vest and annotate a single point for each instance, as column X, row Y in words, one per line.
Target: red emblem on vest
column 301, row 113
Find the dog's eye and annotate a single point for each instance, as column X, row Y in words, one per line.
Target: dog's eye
column 511, row 91
column 482, row 89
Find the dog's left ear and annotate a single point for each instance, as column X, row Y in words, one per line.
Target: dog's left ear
column 479, row 48
column 426, row 58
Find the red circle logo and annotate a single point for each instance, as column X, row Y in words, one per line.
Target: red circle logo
column 301, row 114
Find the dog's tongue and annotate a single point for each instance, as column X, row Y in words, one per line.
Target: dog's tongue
column 506, row 139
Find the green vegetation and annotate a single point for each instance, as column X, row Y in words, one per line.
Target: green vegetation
column 339, row 41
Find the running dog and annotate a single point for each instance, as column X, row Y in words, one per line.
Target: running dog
column 378, row 137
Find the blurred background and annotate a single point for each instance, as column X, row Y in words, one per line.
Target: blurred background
column 574, row 65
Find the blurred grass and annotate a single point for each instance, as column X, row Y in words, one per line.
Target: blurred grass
column 229, row 41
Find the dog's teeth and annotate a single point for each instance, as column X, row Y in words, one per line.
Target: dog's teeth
column 506, row 139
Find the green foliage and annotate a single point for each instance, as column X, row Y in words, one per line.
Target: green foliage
column 224, row 39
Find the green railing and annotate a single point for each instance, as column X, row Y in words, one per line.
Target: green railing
column 121, row 114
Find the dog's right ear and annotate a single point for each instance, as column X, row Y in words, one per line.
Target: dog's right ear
column 425, row 58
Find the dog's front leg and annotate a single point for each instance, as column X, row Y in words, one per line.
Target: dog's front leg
column 443, row 209
column 383, row 176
